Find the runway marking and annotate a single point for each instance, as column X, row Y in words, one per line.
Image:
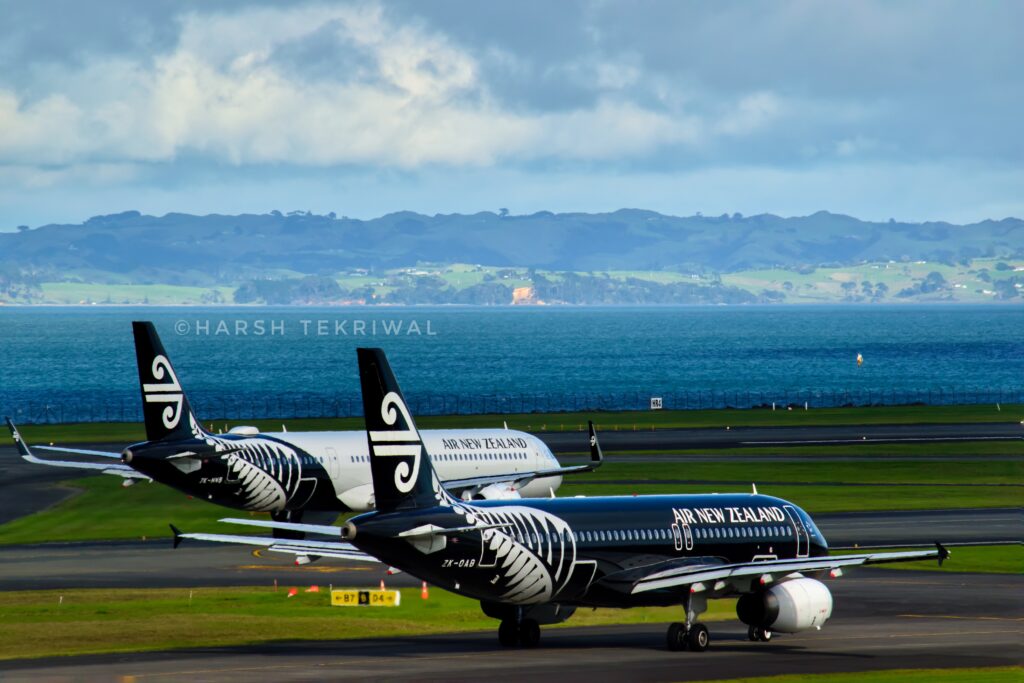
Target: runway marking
column 957, row 616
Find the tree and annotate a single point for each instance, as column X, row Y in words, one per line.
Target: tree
column 22, row 228
column 502, row 213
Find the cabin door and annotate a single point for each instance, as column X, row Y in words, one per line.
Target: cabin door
column 803, row 543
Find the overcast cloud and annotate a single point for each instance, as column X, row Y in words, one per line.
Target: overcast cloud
column 911, row 110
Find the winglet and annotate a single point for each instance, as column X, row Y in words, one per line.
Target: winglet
column 596, row 456
column 943, row 552
column 177, row 535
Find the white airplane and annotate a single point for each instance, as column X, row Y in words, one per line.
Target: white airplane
column 289, row 473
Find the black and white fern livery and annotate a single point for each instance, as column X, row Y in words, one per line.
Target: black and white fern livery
column 268, row 471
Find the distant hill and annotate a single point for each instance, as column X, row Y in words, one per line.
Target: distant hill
column 204, row 251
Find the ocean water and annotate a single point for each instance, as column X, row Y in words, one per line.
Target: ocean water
column 78, row 363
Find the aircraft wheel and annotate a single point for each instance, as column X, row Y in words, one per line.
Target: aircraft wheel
column 764, row 634
column 508, row 633
column 752, row 633
column 698, row 638
column 529, row 633
column 676, row 637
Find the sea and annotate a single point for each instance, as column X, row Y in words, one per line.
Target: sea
column 77, row 363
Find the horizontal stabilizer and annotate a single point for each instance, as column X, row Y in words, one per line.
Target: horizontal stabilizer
column 325, row 529
column 80, row 451
column 105, row 467
column 344, row 551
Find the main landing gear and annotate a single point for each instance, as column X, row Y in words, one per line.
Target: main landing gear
column 525, row 633
column 695, row 638
column 692, row 635
column 759, row 633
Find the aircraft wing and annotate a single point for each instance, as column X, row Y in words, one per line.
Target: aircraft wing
column 118, row 469
column 768, row 570
column 517, row 480
column 306, row 547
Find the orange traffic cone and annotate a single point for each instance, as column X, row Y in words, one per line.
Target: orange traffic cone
column 313, row 589
column 382, row 585
column 424, row 593
column 292, row 592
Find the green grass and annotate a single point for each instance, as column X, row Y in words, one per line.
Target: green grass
column 577, row 421
column 1003, row 674
column 38, row 624
column 954, row 471
column 818, row 499
column 825, row 284
column 106, row 510
column 983, row 559
column 966, row 449
column 76, row 292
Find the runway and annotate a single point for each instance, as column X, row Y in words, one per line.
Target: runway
column 882, row 620
column 746, row 437
column 155, row 564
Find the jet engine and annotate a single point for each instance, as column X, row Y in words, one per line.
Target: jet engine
column 787, row 607
column 497, row 492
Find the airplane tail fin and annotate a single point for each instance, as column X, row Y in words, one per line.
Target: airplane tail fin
column 165, row 408
column 402, row 474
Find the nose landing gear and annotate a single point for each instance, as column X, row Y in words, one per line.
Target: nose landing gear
column 756, row 633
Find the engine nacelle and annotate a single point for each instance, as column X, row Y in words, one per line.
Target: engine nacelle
column 787, row 607
column 497, row 492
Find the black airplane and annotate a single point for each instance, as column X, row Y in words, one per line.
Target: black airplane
column 533, row 562
column 289, row 474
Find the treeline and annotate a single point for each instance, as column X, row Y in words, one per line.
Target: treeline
column 568, row 288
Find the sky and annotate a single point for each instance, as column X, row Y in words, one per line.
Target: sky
column 905, row 110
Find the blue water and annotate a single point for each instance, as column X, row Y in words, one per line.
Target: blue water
column 78, row 363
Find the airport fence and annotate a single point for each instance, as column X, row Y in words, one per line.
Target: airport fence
column 127, row 409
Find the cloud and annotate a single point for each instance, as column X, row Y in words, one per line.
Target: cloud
column 171, row 96
column 226, row 90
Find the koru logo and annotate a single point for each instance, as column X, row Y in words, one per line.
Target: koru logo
column 593, row 441
column 402, row 443
column 168, row 391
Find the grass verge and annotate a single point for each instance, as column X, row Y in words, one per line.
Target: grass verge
column 115, row 432
column 983, row 559
column 106, row 510
column 882, row 472
column 42, row 624
column 818, row 499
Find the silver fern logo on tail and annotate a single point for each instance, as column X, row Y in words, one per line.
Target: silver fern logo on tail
column 396, row 443
column 533, row 555
column 165, row 391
